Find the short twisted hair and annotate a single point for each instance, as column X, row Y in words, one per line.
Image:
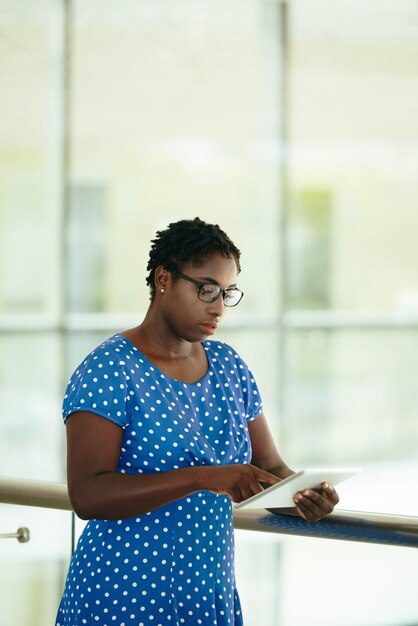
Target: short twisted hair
column 188, row 241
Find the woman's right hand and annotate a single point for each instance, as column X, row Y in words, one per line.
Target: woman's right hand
column 239, row 482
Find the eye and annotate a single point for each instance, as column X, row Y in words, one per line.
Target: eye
column 230, row 294
column 209, row 290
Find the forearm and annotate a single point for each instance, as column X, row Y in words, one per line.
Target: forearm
column 112, row 495
column 265, row 453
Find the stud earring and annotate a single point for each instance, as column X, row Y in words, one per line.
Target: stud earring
column 162, row 290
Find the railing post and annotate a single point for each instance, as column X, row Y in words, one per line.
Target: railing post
column 22, row 535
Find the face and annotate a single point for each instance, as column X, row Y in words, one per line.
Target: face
column 189, row 317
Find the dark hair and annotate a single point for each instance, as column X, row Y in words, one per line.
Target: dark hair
column 188, row 241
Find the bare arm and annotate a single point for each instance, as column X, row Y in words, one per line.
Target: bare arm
column 265, row 454
column 97, row 490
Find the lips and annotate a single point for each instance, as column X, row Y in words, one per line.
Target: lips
column 209, row 328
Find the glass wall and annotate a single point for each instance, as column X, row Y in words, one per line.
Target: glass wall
column 351, row 307
column 293, row 126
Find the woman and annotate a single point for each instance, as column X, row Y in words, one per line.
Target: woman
column 165, row 430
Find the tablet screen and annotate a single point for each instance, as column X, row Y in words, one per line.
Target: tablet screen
column 281, row 494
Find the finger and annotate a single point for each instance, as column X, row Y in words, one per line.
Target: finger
column 265, row 477
column 250, row 489
column 329, row 492
column 309, row 506
column 308, row 510
column 236, row 495
column 304, row 511
column 313, row 504
column 254, row 486
column 324, row 504
column 245, row 494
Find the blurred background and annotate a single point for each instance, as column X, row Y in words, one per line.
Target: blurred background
column 294, row 126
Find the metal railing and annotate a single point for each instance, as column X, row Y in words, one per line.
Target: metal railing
column 22, row 535
column 346, row 525
column 37, row 493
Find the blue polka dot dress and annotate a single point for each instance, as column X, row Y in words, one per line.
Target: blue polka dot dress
column 173, row 565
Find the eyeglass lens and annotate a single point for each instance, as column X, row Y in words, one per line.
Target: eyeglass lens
column 209, row 293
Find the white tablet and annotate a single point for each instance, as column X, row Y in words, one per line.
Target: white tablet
column 281, row 494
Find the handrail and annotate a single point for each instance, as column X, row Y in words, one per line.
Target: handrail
column 22, row 535
column 37, row 493
column 345, row 525
column 360, row 526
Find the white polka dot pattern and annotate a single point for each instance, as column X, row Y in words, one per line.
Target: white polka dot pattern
column 173, row 565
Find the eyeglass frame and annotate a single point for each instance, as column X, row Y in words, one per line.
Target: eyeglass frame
column 200, row 285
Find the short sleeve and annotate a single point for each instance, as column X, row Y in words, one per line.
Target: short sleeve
column 253, row 404
column 99, row 385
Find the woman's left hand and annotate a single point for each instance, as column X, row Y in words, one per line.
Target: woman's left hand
column 313, row 504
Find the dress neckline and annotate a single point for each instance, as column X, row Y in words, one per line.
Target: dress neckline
column 163, row 374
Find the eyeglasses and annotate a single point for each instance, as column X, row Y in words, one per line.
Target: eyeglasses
column 209, row 292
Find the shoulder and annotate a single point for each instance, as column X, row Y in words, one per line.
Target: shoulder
column 112, row 353
column 218, row 347
column 116, row 346
column 232, row 371
column 224, row 353
column 100, row 383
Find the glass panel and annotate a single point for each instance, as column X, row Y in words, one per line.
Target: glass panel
column 30, row 400
column 259, row 349
column 259, row 573
column 356, row 579
column 353, row 133
column 352, row 395
column 32, row 574
column 274, row 572
column 351, row 398
column 86, row 250
column 27, row 156
column 190, row 127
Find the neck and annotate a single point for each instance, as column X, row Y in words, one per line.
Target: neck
column 154, row 334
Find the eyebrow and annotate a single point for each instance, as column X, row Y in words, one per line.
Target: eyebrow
column 215, row 282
